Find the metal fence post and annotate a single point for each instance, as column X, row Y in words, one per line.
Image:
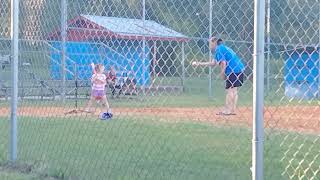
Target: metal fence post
column 14, row 63
column 143, row 46
column 210, row 55
column 258, row 92
column 319, row 48
column 64, row 14
column 183, row 66
column 268, row 46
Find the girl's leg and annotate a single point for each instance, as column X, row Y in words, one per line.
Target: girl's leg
column 105, row 104
column 89, row 104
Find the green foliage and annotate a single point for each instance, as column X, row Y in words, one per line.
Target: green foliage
column 291, row 21
column 295, row 22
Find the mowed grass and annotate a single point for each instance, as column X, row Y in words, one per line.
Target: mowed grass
column 130, row 149
column 86, row 148
column 196, row 94
column 133, row 149
column 11, row 175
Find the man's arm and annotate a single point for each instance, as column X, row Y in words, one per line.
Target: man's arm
column 223, row 66
column 212, row 63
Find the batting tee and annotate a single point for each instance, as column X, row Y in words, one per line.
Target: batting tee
column 111, row 41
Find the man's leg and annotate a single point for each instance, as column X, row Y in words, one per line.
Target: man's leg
column 231, row 101
column 228, row 105
column 235, row 96
column 235, row 99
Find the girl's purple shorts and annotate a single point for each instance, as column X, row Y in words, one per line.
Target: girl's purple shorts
column 98, row 94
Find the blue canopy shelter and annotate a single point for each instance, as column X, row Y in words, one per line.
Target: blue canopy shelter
column 111, row 41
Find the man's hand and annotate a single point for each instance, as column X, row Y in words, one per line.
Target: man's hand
column 195, row 63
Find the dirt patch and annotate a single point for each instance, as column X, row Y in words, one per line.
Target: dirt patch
column 296, row 118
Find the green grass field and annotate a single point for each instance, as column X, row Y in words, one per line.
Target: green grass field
column 195, row 95
column 147, row 149
column 5, row 174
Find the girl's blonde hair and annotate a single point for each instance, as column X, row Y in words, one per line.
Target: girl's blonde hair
column 98, row 67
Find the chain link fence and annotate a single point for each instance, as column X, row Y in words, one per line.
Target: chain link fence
column 293, row 89
column 4, row 59
column 164, row 123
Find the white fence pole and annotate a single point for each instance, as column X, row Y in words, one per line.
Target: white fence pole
column 268, row 46
column 14, row 63
column 183, row 66
column 258, row 93
column 64, row 16
column 143, row 47
column 210, row 55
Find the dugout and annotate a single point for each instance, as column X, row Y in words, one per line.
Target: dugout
column 111, row 41
column 302, row 73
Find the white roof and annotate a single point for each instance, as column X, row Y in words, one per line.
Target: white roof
column 126, row 26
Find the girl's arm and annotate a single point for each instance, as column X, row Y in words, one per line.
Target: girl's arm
column 97, row 80
column 93, row 78
column 93, row 69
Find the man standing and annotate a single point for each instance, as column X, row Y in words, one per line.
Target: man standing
column 232, row 71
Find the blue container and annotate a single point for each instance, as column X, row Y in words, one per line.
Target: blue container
column 302, row 73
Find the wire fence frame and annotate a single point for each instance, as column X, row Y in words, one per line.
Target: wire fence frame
column 259, row 53
column 258, row 68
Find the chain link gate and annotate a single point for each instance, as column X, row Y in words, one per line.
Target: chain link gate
column 292, row 96
column 165, row 124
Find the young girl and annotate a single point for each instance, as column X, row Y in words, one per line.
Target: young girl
column 98, row 93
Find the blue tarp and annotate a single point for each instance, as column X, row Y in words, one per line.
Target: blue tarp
column 302, row 73
column 81, row 54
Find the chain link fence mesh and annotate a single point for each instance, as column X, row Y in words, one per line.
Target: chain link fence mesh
column 4, row 74
column 165, row 124
column 292, row 119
